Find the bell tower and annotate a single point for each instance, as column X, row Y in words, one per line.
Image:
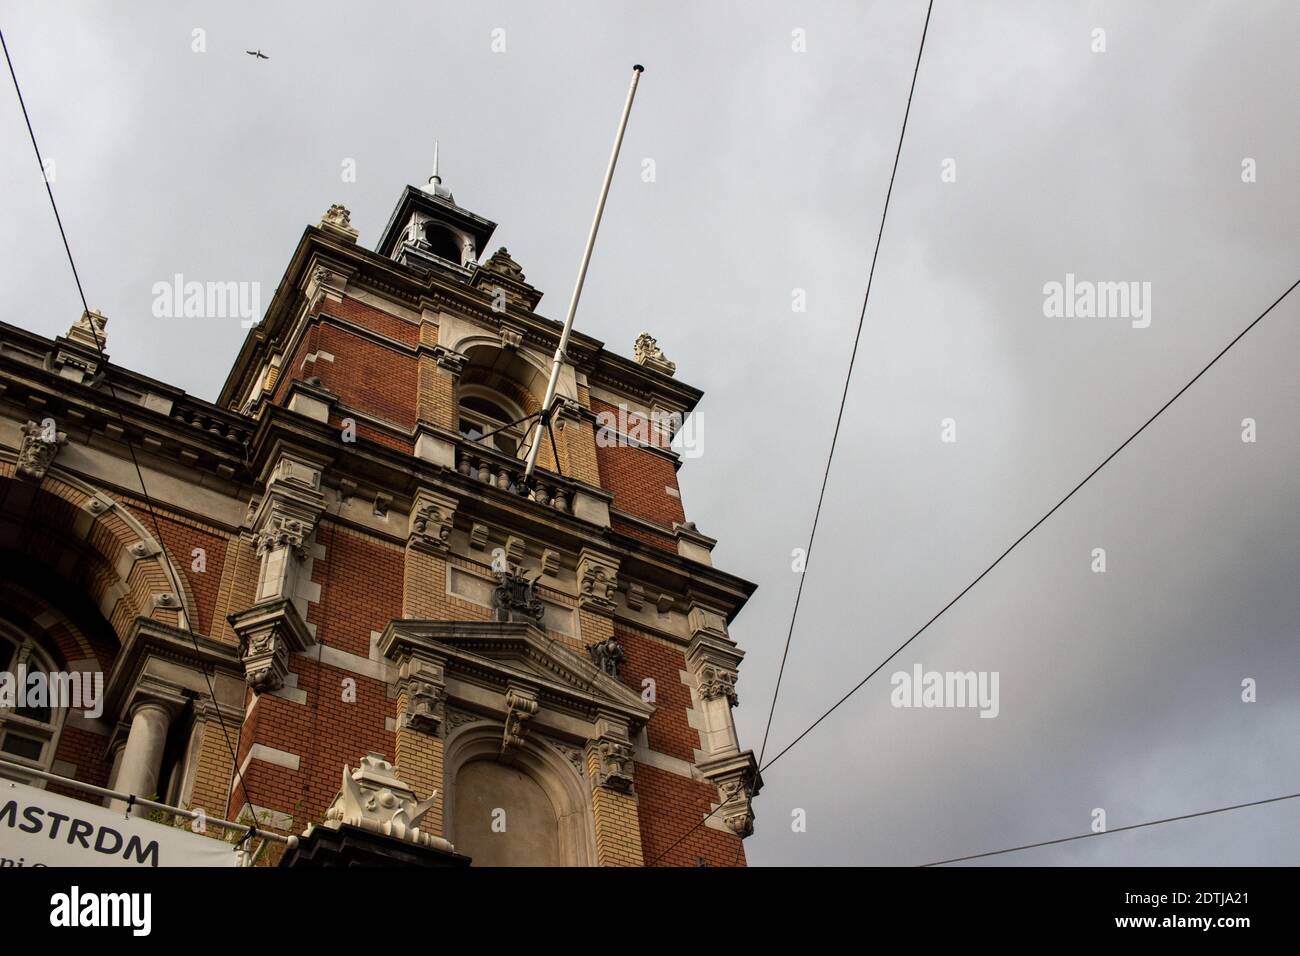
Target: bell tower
column 428, row 231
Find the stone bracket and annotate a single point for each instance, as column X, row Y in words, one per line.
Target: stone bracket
column 521, row 707
column 597, row 581
column 424, row 680
column 614, row 754
column 738, row 782
column 431, row 520
column 268, row 634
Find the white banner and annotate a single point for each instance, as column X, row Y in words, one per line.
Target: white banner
column 44, row 829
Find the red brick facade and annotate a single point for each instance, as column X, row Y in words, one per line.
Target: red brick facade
column 331, row 483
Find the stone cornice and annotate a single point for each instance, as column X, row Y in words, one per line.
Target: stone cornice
column 376, row 271
column 150, row 639
column 161, row 420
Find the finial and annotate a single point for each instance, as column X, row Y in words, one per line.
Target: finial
column 434, row 186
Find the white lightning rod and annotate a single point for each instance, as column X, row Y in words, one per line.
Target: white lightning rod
column 560, row 351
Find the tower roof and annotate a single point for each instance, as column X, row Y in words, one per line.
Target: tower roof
column 433, row 203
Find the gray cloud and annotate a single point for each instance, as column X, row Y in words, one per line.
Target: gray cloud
column 1119, row 690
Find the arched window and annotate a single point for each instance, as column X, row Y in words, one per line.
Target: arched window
column 442, row 242
column 483, row 414
column 27, row 733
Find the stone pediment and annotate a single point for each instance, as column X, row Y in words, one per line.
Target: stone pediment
column 501, row 654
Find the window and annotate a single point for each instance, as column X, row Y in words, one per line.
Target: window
column 27, row 734
column 480, row 416
column 442, row 243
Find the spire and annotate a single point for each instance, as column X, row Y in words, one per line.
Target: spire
column 434, row 186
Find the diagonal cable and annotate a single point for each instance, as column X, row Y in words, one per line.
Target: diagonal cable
column 839, row 417
column 1034, row 527
column 99, row 347
column 1143, row 427
column 1131, row 826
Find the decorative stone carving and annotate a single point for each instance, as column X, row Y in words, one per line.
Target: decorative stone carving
column 613, row 749
column 41, row 442
column 515, row 548
column 424, row 681
column 283, row 523
column 597, row 581
column 338, row 221
column 450, row 361
column 718, row 682
column 511, row 338
column 457, row 717
column 90, row 331
column 607, row 655
column 635, row 597
column 372, row 798
column 565, row 409
column 501, row 263
column 737, row 812
column 736, row 777
column 143, row 549
column 337, row 215
column 521, row 707
column 478, row 536
column 283, row 531
column 500, row 276
column 550, row 561
column 74, row 365
column 572, row 754
column 423, row 706
column 432, row 516
column 646, row 351
column 268, row 634
column 515, row 598
column 614, row 770
column 331, row 282
column 714, row 660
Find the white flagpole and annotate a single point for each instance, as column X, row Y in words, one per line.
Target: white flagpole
column 544, row 420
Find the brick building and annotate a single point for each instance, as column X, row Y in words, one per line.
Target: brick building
column 343, row 568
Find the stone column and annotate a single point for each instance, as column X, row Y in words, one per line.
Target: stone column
column 283, row 526
column 714, row 659
column 150, row 718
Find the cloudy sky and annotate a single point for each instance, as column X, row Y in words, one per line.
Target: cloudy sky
column 1118, row 690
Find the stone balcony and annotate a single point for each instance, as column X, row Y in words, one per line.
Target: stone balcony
column 505, row 472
